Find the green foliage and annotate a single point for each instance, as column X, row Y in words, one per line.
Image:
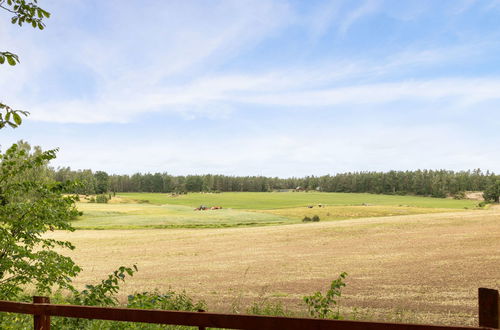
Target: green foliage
column 265, row 307
column 23, row 12
column 104, row 293
column 315, row 218
column 10, row 116
column 459, row 195
column 102, row 182
column 421, row 182
column 102, row 199
column 167, row 301
column 492, row 192
column 31, row 205
column 320, row 306
column 12, row 59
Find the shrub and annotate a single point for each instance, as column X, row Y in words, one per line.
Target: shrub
column 492, row 192
column 268, row 308
column 306, row 219
column 315, row 218
column 101, row 199
column 320, row 306
column 459, row 195
column 168, row 301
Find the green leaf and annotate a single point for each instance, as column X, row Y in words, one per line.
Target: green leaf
column 17, row 118
column 11, row 60
column 2, row 59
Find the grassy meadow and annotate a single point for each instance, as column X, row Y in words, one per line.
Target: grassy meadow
column 278, row 200
column 155, row 210
column 130, row 216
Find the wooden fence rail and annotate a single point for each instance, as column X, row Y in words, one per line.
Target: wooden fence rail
column 42, row 310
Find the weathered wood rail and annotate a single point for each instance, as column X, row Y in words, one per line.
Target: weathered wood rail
column 42, row 310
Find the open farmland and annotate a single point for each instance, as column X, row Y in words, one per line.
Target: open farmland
column 274, row 200
column 142, row 210
column 415, row 268
column 129, row 216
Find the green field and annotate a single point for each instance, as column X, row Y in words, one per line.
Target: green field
column 276, row 200
column 131, row 216
column 154, row 210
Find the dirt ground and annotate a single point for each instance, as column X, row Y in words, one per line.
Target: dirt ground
column 416, row 268
column 474, row 195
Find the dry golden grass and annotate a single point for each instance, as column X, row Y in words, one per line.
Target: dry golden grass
column 417, row 268
column 338, row 212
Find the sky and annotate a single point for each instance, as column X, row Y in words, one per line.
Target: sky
column 274, row 88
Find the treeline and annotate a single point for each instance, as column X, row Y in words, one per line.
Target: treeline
column 439, row 183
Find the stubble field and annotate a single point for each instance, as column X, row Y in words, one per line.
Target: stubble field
column 422, row 268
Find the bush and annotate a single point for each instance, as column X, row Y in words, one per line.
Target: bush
column 101, row 199
column 459, row 195
column 492, row 192
column 268, row 308
column 320, row 306
column 168, row 301
column 315, row 218
column 306, row 219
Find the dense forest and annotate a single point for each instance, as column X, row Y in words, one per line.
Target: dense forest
column 439, row 183
column 435, row 183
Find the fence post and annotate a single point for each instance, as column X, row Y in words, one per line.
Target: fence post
column 489, row 308
column 200, row 327
column 41, row 321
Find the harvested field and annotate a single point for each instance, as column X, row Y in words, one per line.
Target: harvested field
column 416, row 268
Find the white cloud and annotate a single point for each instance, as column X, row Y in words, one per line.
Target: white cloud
column 289, row 152
column 322, row 17
column 210, row 96
column 463, row 92
column 167, row 63
column 367, row 8
column 132, row 54
column 183, row 58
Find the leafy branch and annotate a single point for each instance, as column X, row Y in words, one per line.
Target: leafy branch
column 24, row 12
column 320, row 305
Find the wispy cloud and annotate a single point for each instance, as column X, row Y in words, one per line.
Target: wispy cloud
column 368, row 7
column 283, row 85
column 323, row 17
column 326, row 84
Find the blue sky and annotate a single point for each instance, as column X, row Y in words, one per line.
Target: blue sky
column 276, row 88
